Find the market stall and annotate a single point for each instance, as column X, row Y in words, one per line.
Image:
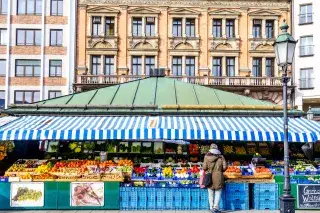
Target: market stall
column 141, row 145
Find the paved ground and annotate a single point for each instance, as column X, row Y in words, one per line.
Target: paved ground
column 103, row 211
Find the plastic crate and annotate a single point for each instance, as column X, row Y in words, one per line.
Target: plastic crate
column 195, row 199
column 160, row 199
column 133, row 198
column 151, row 199
column 265, row 187
column 266, row 205
column 142, row 198
column 237, row 187
column 177, row 199
column 169, row 198
column 204, row 202
column 124, row 198
column 186, row 198
column 237, row 205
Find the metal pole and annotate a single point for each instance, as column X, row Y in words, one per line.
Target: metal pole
column 286, row 200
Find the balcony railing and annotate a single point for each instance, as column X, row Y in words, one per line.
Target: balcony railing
column 305, row 18
column 306, row 83
column 306, row 50
column 201, row 80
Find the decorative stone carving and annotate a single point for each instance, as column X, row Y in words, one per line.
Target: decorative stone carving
column 143, row 10
column 261, row 45
column 146, row 43
column 188, row 43
column 224, row 45
column 184, row 46
column 184, row 11
column 225, row 12
column 102, row 9
column 103, row 42
column 208, row 3
column 264, row 12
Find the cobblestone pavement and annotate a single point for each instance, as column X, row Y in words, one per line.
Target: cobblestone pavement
column 103, row 211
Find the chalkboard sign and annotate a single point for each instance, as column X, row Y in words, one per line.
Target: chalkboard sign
column 309, row 196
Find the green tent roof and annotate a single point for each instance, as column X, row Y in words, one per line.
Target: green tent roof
column 150, row 95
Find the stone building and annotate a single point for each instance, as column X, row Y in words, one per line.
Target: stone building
column 222, row 44
column 37, row 49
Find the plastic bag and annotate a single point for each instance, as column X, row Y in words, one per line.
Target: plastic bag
column 201, row 179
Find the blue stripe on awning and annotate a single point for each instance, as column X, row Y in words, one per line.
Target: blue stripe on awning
column 269, row 129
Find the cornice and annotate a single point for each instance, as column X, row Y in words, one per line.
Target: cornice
column 198, row 3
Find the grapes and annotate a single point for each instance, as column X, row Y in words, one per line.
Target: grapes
column 24, row 193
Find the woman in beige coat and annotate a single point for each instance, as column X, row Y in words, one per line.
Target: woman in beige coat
column 215, row 163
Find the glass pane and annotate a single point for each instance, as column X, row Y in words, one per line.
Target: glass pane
column 54, row 7
column 60, row 8
column 36, row 96
column 58, row 71
column 20, row 39
column 39, row 7
column 18, row 98
column 30, row 37
column 3, row 37
column 37, row 71
column 38, row 37
column 2, row 67
column 2, row 99
column 28, row 97
column 29, row 71
column 53, row 38
column 60, row 37
column 30, row 6
column 21, row 6
column 4, row 7
column 19, row 71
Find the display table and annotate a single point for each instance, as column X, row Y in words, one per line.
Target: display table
column 57, row 195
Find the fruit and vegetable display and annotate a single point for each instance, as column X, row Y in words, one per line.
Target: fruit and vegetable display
column 204, row 149
column 233, row 172
column 194, row 149
column 227, row 149
column 240, row 150
column 5, row 148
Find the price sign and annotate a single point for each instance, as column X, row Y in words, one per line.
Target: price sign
column 309, row 196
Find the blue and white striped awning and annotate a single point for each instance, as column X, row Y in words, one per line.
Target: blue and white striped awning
column 268, row 129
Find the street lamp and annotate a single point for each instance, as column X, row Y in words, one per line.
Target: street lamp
column 284, row 48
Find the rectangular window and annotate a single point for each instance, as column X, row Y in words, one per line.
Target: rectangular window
column 177, row 27
column 217, row 66
column 231, row 66
column 3, row 7
column 230, row 28
column 57, row 7
column 29, row 7
column 270, row 67
column 3, row 36
column 56, row 37
column 257, row 67
column 55, row 68
column 27, row 68
column 26, row 97
column 109, row 65
column 190, row 27
column 95, row 64
column 109, row 26
column 270, row 28
column 2, row 99
column 217, row 28
column 3, row 67
column 149, row 64
column 96, row 25
column 177, row 66
column 256, row 28
column 136, row 65
column 306, row 78
column 28, row 37
column 150, row 26
column 137, row 26
column 190, row 66
column 305, row 16
column 306, row 46
column 54, row 94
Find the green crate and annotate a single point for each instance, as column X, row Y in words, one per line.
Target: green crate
column 294, row 192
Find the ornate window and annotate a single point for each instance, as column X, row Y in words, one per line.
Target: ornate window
column 137, row 26
column 136, row 65
column 230, row 32
column 96, row 25
column 109, row 65
column 257, row 67
column 217, row 66
column 177, row 65
column 231, row 66
column 150, row 26
column 95, row 64
column 217, row 28
column 190, row 66
column 190, row 27
column 270, row 67
column 269, row 29
column 177, row 27
column 256, row 28
column 149, row 64
column 109, row 31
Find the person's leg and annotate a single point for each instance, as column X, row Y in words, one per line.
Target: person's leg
column 210, row 196
column 217, row 196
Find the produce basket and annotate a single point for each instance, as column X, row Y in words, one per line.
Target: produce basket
column 232, row 175
column 112, row 176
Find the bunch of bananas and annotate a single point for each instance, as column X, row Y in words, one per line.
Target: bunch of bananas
column 42, row 169
column 167, row 172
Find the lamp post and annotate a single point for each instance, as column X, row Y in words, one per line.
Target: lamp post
column 284, row 47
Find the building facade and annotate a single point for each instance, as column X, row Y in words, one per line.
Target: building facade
column 306, row 21
column 222, row 44
column 37, row 49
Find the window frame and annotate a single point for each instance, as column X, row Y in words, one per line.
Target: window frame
column 25, row 66
column 270, row 66
column 96, row 26
column 5, row 61
column 191, row 68
column 149, row 64
column 1, row 7
column 219, row 26
column 306, row 14
column 4, row 98
column 137, row 26
column 24, row 96
column 136, row 65
column 55, row 93
column 150, row 29
column 109, row 21
column 55, row 68
column 56, row 44
column 26, row 7
column 214, row 65
column 3, row 29
column 109, row 64
column 229, row 66
column 25, row 37
column 257, row 28
column 311, row 79
column 175, row 64
column 96, row 65
column 257, row 67
column 228, row 26
column 301, row 47
column 177, row 26
column 190, row 28
column 268, row 28
column 57, row 6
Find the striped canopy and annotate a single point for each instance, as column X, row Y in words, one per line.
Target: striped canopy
column 268, row 129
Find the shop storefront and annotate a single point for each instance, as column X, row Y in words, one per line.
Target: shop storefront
column 140, row 145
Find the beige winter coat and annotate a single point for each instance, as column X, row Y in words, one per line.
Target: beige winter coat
column 216, row 164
